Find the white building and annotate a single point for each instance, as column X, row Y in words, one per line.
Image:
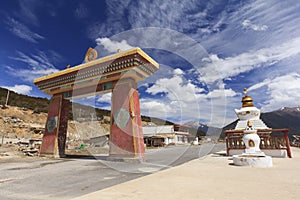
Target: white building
column 166, row 135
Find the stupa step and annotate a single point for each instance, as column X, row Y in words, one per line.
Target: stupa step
column 256, row 123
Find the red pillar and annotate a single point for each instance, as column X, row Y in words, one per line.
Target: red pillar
column 288, row 148
column 227, row 141
column 54, row 138
column 126, row 137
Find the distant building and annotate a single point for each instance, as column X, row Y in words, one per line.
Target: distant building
column 158, row 136
column 182, row 134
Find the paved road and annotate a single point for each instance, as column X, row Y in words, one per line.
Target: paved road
column 72, row 177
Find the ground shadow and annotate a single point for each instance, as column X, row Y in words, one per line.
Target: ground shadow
column 88, row 157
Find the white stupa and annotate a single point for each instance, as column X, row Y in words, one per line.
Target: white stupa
column 249, row 112
column 249, row 121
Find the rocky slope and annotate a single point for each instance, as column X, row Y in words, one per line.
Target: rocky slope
column 25, row 118
column 19, row 123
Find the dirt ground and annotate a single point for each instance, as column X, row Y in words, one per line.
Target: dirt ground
column 212, row 177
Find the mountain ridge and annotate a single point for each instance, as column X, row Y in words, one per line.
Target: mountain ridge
column 285, row 117
column 38, row 104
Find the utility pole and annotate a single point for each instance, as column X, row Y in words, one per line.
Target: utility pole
column 2, row 136
column 3, row 133
column 7, row 97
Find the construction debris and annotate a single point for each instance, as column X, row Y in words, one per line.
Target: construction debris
column 30, row 147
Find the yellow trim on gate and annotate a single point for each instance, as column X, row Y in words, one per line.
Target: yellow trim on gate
column 98, row 61
column 132, row 112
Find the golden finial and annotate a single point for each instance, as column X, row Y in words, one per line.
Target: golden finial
column 245, row 91
column 249, row 124
column 247, row 100
column 68, row 66
column 118, row 50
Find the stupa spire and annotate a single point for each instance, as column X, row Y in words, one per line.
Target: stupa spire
column 247, row 100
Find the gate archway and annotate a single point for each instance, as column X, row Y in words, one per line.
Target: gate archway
column 119, row 74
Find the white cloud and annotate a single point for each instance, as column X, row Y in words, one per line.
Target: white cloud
column 215, row 112
column 172, row 104
column 39, row 60
column 244, row 50
column 29, row 75
column 105, row 98
column 186, row 17
column 218, row 93
column 113, row 46
column 281, row 91
column 259, row 85
column 37, row 65
column 156, row 108
column 178, row 71
column 27, row 11
column 20, row 89
column 248, row 24
column 102, row 101
column 184, row 101
column 175, row 89
column 221, row 68
column 22, row 31
column 281, row 18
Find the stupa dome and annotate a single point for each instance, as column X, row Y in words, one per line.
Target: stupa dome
column 247, row 100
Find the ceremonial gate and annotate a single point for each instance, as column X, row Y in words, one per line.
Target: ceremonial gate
column 119, row 74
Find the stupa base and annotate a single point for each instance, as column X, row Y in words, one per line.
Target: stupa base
column 252, row 160
column 253, row 153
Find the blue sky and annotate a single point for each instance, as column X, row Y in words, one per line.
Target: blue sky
column 208, row 51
